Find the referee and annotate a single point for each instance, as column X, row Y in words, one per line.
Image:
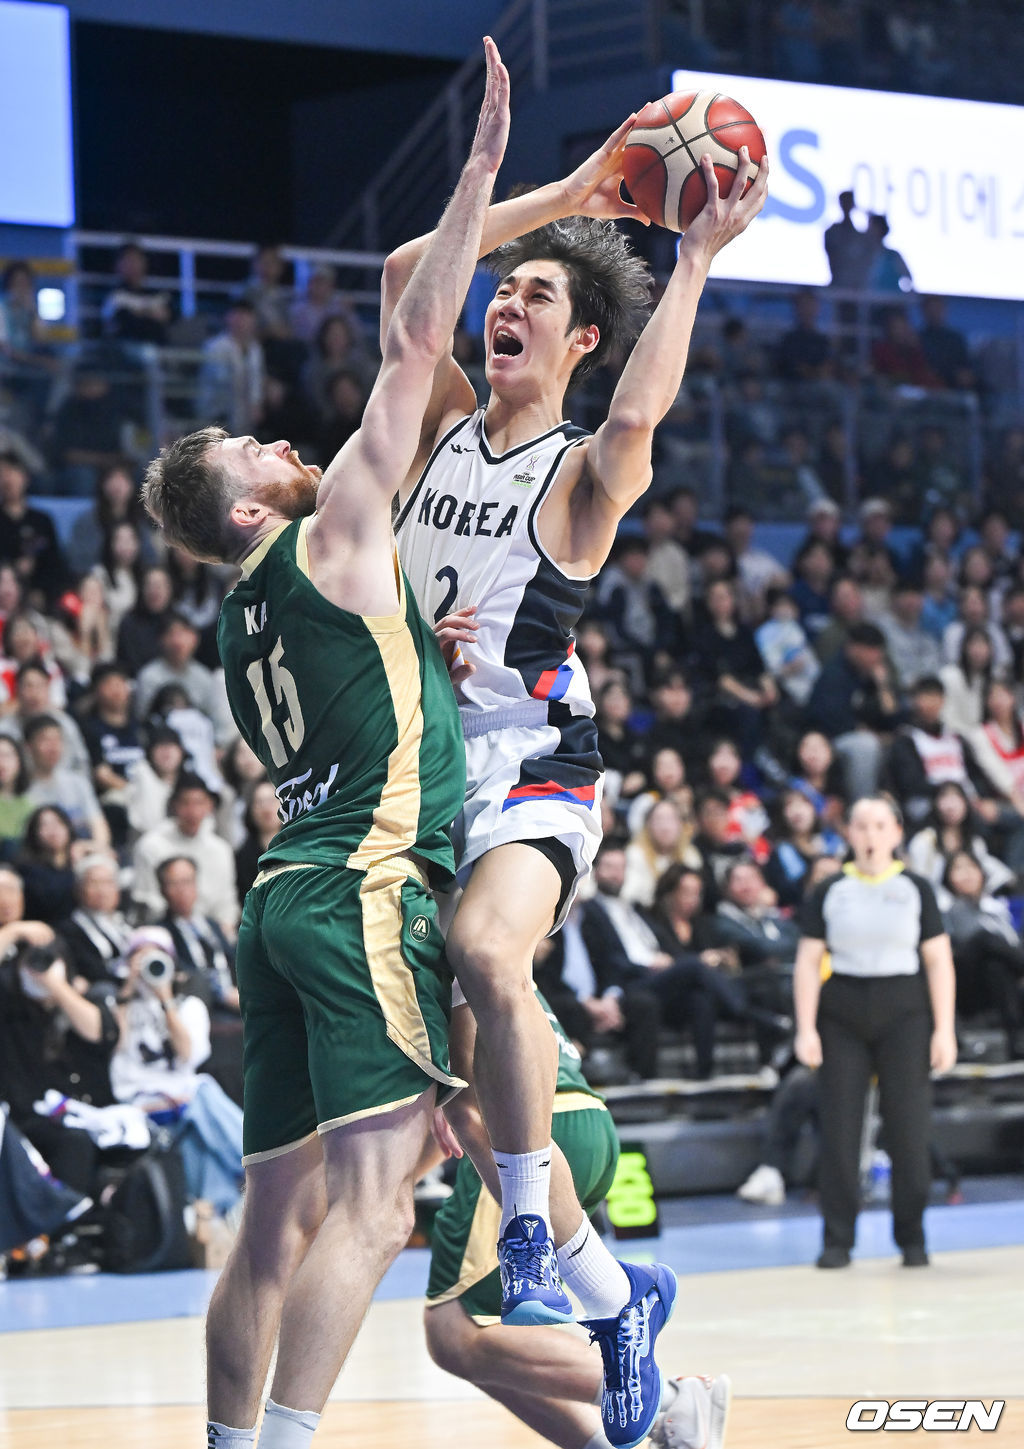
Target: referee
column 878, row 1013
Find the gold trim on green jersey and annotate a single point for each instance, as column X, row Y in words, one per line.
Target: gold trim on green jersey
column 259, row 553
column 380, row 896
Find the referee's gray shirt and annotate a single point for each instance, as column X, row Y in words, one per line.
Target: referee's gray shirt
column 873, row 925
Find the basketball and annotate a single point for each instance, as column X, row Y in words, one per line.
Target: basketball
column 661, row 161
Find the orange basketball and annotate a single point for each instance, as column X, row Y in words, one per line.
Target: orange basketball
column 661, row 162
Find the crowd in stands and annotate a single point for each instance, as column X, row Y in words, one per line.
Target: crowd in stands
column 742, row 703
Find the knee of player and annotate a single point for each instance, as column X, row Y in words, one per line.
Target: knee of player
column 489, row 974
column 450, row 1334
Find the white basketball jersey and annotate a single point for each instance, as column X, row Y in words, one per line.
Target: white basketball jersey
column 467, row 535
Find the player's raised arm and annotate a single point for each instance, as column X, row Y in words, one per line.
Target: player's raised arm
column 421, row 326
column 591, row 190
column 620, row 455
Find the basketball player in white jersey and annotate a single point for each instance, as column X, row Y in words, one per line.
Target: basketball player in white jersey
column 512, row 511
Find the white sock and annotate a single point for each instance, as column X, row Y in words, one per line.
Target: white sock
column 222, row 1436
column 589, row 1270
column 525, row 1179
column 287, row 1428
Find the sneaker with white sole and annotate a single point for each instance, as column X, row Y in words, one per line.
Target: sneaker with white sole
column 633, row 1382
column 764, row 1185
column 531, row 1286
column 698, row 1415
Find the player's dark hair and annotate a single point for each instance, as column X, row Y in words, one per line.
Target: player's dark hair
column 189, row 496
column 609, row 285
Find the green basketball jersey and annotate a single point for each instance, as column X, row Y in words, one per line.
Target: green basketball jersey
column 570, row 1069
column 353, row 717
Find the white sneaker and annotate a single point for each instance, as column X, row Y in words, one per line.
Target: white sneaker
column 698, row 1415
column 764, row 1185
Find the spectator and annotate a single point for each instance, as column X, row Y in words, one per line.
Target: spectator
column 998, row 744
column 757, row 570
column 202, row 950
column 925, row 754
column 592, row 647
column 974, row 614
column 189, row 831
column 887, row 1008
column 1005, row 471
column 24, row 639
column 198, row 591
column 116, row 501
column 950, row 828
column 622, row 948
column 941, row 477
column 999, row 546
column 799, row 840
column 748, row 819
column 96, row 932
column 52, row 1037
column 764, row 940
column 667, row 772
column 703, row 983
column 894, row 476
column 912, row 650
column 15, row 806
column 794, row 1105
column 987, row 955
column 319, row 301
column 86, row 430
column 52, row 783
column 853, row 703
column 847, row 612
column 632, row 608
column 726, row 659
column 839, row 476
column 814, row 570
column 114, row 742
column 717, row 848
column 268, row 295
column 966, row 682
column 132, row 311
column 898, row 357
column 26, row 362
column 849, row 250
column 818, row 773
column 84, row 620
column 46, row 864
column 32, row 697
column 621, row 747
column 232, row 374
column 675, row 724
column 944, row 347
column 785, row 648
column 688, row 534
column 662, row 840
column 873, row 568
column 28, row 538
column 119, row 571
column 668, row 563
column 154, row 777
column 939, row 599
column 164, row 1039
column 335, row 350
column 140, row 631
column 888, row 271
column 805, row 352
column 262, row 822
column 176, row 664
column 345, row 400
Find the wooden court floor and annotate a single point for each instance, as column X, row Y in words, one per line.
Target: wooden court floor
column 800, row 1347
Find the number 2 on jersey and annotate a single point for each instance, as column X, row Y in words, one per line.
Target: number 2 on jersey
column 283, row 682
column 450, row 579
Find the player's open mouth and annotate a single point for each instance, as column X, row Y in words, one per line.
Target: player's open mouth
column 505, row 343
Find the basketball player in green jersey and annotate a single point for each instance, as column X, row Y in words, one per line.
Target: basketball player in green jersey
column 340, row 688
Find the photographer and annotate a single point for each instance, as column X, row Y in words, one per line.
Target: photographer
column 164, row 1038
column 53, row 1037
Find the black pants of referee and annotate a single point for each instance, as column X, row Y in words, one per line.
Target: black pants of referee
column 877, row 1026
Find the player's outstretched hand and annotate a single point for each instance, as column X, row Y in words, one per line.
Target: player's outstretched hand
column 723, row 217
column 593, row 188
column 451, row 633
column 492, row 126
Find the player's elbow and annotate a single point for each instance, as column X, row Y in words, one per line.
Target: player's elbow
column 630, row 424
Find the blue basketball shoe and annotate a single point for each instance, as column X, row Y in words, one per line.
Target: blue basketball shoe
column 632, row 1380
column 531, row 1288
